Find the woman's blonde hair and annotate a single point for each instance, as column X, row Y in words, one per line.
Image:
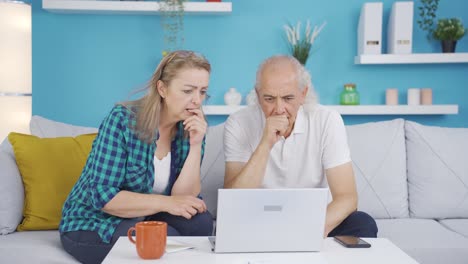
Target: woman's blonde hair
column 148, row 108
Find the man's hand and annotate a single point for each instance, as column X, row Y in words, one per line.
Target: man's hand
column 275, row 127
column 196, row 126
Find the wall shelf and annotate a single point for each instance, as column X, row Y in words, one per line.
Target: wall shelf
column 415, row 58
column 131, row 7
column 358, row 109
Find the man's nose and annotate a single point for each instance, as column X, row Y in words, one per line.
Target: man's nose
column 279, row 107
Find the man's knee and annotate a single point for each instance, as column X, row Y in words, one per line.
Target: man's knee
column 368, row 226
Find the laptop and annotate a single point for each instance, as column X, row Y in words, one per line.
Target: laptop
column 270, row 220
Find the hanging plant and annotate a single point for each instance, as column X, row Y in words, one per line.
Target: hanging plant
column 172, row 22
column 427, row 14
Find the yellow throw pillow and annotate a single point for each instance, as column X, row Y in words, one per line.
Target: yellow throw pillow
column 49, row 168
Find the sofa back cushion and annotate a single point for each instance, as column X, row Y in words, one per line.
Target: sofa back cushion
column 379, row 162
column 212, row 169
column 11, row 190
column 437, row 171
column 46, row 128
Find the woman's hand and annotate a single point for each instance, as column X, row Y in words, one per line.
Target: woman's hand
column 185, row 206
column 196, row 126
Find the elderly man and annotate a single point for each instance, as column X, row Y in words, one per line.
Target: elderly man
column 289, row 141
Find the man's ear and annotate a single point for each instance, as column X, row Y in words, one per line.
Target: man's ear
column 304, row 93
column 162, row 89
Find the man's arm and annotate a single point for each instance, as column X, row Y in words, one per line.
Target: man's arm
column 343, row 189
column 250, row 174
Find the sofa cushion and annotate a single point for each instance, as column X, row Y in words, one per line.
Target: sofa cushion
column 11, row 190
column 437, row 171
column 457, row 225
column 43, row 127
column 379, row 162
column 212, row 169
column 425, row 240
column 49, row 168
column 33, row 247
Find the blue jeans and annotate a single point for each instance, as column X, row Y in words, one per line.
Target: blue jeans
column 357, row 224
column 88, row 247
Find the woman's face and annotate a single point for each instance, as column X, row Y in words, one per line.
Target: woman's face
column 185, row 92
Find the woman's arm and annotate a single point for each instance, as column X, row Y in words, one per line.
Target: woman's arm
column 130, row 204
column 188, row 182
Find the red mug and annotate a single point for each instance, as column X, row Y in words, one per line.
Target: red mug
column 150, row 238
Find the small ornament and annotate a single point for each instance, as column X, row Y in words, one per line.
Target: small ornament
column 349, row 96
column 232, row 97
column 251, row 98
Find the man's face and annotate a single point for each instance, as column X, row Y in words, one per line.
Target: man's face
column 279, row 93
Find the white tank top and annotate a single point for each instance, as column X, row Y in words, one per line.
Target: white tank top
column 162, row 171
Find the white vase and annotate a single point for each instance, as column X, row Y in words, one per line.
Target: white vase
column 232, row 97
column 251, row 98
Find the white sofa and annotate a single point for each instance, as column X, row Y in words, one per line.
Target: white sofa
column 412, row 178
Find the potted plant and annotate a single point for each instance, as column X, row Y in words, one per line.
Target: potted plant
column 449, row 31
column 300, row 46
column 172, row 21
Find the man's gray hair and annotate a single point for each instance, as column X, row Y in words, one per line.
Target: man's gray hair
column 302, row 75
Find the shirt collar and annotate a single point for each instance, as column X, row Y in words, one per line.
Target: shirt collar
column 299, row 124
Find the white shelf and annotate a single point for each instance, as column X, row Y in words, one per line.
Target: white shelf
column 414, row 58
column 396, row 109
column 221, row 109
column 358, row 109
column 131, row 7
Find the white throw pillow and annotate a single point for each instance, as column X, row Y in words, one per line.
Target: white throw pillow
column 212, row 169
column 11, row 190
column 379, row 162
column 43, row 127
column 437, row 171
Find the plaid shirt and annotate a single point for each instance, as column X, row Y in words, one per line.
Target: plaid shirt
column 118, row 161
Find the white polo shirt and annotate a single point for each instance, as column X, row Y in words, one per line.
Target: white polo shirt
column 317, row 142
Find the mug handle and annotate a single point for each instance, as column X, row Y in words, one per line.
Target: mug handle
column 129, row 234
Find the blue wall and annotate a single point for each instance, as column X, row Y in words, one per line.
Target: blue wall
column 83, row 63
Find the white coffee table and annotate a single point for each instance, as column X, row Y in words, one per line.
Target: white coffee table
column 382, row 251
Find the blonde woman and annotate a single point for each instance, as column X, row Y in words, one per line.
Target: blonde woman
column 144, row 164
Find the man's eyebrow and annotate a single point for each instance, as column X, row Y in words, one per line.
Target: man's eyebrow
column 284, row 96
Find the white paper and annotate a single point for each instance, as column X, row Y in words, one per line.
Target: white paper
column 175, row 246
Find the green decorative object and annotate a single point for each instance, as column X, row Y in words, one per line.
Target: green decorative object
column 349, row 96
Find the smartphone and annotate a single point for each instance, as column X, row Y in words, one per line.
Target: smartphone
column 352, row 242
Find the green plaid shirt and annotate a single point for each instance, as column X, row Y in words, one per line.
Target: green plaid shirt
column 118, row 161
